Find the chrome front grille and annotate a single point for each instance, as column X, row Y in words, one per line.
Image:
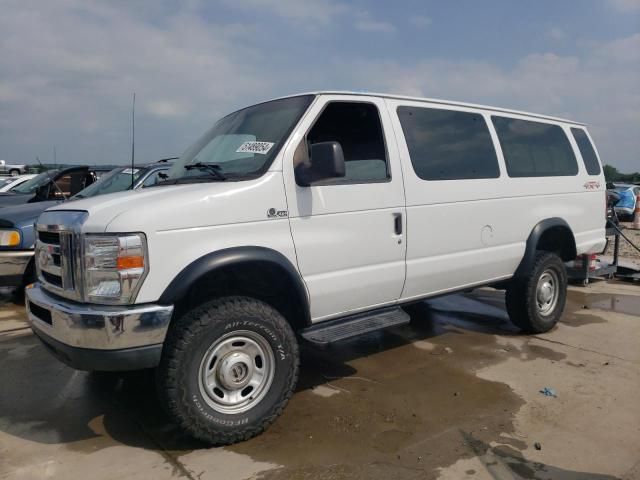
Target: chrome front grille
column 58, row 252
column 55, row 260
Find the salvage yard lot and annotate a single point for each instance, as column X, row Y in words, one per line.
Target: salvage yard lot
column 455, row 395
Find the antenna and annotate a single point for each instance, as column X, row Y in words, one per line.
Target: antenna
column 51, row 180
column 133, row 136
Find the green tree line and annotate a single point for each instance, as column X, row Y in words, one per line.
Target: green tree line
column 611, row 174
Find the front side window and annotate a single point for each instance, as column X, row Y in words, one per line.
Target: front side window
column 357, row 128
column 587, row 151
column 448, row 144
column 534, row 149
column 242, row 145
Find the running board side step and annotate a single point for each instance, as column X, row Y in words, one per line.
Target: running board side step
column 325, row 333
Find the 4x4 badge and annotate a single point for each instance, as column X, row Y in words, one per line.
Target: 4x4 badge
column 273, row 213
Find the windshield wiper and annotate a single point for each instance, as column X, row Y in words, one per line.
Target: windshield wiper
column 209, row 167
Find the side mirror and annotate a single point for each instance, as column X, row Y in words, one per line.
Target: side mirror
column 327, row 161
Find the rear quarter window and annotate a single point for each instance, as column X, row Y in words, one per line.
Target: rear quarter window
column 587, row 151
column 534, row 149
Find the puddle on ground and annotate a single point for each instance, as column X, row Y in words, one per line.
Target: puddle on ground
column 619, row 303
column 405, row 395
column 389, row 404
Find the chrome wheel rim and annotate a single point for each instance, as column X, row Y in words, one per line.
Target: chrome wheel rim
column 547, row 292
column 236, row 372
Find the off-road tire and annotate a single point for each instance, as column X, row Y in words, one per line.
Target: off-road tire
column 187, row 342
column 521, row 296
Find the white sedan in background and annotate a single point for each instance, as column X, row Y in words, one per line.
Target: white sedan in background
column 9, row 183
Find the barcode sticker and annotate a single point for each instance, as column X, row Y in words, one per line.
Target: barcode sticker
column 255, row 147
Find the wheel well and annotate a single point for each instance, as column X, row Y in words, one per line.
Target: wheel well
column 558, row 239
column 263, row 281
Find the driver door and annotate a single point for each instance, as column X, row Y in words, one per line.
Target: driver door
column 348, row 232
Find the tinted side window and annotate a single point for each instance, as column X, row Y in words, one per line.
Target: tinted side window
column 586, row 150
column 357, row 127
column 448, row 145
column 535, row 149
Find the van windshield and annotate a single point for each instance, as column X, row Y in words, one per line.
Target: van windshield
column 242, row 145
column 32, row 185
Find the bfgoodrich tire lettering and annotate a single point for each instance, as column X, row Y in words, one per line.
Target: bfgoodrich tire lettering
column 536, row 301
column 192, row 339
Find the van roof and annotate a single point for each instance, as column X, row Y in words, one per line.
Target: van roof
column 440, row 102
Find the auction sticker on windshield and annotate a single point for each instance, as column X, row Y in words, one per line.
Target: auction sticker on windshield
column 255, row 147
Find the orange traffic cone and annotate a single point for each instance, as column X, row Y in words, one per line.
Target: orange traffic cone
column 636, row 215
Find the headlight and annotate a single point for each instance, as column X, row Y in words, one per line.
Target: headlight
column 114, row 267
column 9, row 238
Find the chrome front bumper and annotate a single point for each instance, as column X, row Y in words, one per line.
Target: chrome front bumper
column 95, row 337
column 12, row 267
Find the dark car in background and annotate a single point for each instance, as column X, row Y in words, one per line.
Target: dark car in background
column 17, row 240
column 51, row 185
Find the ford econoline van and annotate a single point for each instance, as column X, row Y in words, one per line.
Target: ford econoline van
column 313, row 218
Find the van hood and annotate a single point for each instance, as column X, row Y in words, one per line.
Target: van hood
column 175, row 207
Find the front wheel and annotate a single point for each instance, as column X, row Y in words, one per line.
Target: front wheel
column 228, row 369
column 14, row 172
column 536, row 301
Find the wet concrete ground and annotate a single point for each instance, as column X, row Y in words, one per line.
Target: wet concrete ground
column 455, row 395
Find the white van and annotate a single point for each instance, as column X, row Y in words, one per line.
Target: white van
column 313, row 217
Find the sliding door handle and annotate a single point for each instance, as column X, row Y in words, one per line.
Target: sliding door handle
column 397, row 223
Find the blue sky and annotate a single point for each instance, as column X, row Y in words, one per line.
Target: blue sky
column 68, row 68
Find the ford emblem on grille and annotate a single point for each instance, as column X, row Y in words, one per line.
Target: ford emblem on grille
column 44, row 258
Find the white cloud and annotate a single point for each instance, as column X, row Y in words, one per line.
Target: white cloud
column 68, row 68
column 556, row 34
column 366, row 23
column 316, row 11
column 420, row 21
column 166, row 108
column 625, row 6
column 313, row 13
column 600, row 89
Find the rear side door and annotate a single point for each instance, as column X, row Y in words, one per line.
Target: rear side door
column 460, row 228
column 349, row 233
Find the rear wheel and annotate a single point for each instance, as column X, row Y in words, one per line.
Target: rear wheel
column 536, row 301
column 228, row 369
column 14, row 172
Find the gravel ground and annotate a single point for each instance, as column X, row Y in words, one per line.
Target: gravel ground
column 626, row 250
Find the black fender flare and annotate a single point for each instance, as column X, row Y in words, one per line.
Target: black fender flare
column 227, row 257
column 534, row 237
